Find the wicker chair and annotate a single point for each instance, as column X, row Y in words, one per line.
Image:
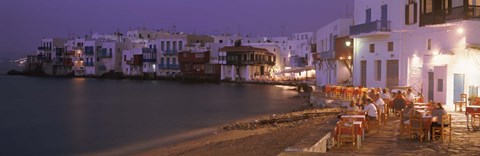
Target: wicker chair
column 445, row 129
column 346, row 133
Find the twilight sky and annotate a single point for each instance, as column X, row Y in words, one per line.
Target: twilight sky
column 23, row 23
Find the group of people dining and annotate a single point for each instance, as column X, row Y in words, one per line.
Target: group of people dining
column 379, row 102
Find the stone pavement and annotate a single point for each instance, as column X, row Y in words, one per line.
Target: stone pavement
column 389, row 141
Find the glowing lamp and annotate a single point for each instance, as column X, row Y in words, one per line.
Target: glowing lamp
column 349, row 57
column 460, row 30
column 348, row 43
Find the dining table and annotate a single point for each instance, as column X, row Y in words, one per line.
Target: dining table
column 468, row 111
column 358, row 130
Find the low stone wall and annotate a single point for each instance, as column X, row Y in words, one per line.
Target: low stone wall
column 319, row 141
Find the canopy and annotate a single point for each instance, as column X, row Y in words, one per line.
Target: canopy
column 297, row 70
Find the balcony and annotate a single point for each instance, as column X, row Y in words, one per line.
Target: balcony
column 168, row 66
column 450, row 14
column 149, row 60
column 148, row 50
column 327, row 55
column 89, row 51
column 44, row 48
column 89, row 64
column 370, row 29
column 104, row 54
column 171, row 52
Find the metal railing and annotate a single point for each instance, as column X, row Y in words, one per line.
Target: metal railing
column 455, row 13
column 375, row 26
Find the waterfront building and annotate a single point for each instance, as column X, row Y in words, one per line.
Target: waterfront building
column 91, row 47
column 333, row 63
column 283, row 59
column 50, row 55
column 300, row 49
column 197, row 66
column 109, row 58
column 132, row 62
column 428, row 45
column 168, row 47
column 242, row 63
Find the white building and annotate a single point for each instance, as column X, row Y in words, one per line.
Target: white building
column 300, row 48
column 420, row 45
column 132, row 62
column 335, row 60
column 51, row 52
column 378, row 43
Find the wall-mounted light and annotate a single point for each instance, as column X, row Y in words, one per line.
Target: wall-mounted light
column 349, row 57
column 341, row 58
column 348, row 43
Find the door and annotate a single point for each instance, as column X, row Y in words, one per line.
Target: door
column 392, row 73
column 363, row 76
column 368, row 14
column 384, row 17
column 262, row 69
column 431, row 82
column 458, row 86
column 440, row 78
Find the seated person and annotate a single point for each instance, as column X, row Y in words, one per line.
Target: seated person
column 371, row 110
column 399, row 101
column 352, row 107
column 438, row 112
column 379, row 102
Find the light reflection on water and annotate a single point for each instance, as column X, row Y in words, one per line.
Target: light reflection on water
column 70, row 116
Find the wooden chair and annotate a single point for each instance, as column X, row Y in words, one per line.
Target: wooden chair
column 445, row 129
column 404, row 124
column 416, row 125
column 346, row 133
column 375, row 123
column 462, row 103
column 475, row 118
column 387, row 106
column 382, row 115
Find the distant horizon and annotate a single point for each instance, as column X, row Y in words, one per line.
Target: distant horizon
column 30, row 21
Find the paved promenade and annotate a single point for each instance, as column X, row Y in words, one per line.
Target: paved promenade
column 389, row 141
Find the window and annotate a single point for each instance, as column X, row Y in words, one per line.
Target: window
column 429, row 44
column 378, row 70
column 390, row 46
column 162, row 61
column 411, row 12
column 440, row 85
column 372, row 48
column 180, row 45
column 124, row 57
column 162, row 45
column 220, row 41
column 174, row 60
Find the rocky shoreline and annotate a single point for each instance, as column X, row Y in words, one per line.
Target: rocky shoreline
column 251, row 136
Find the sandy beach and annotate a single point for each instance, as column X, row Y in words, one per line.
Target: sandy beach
column 266, row 135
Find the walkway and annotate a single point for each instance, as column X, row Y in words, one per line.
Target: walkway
column 389, row 141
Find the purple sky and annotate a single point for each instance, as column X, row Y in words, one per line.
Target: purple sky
column 24, row 22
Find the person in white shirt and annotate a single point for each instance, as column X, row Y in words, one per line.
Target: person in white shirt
column 410, row 97
column 385, row 95
column 371, row 110
column 379, row 102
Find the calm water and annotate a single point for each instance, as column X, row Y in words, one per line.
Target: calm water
column 56, row 116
